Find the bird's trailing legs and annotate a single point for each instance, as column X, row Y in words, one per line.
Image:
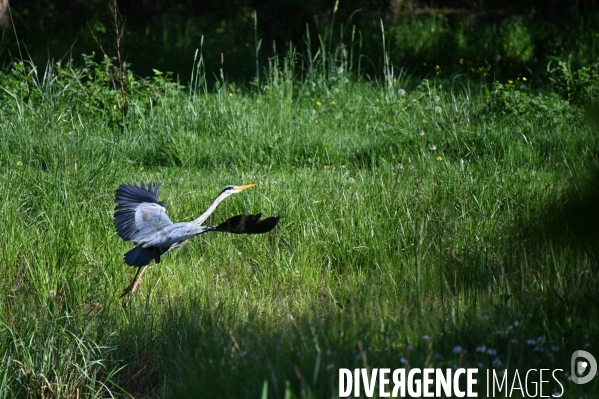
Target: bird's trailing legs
column 133, row 286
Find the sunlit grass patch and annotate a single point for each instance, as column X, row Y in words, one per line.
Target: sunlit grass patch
column 417, row 228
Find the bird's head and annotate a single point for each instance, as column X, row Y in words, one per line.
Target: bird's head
column 236, row 189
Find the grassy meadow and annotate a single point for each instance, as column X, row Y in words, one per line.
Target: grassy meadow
column 424, row 223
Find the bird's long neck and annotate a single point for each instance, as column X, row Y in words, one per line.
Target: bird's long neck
column 211, row 208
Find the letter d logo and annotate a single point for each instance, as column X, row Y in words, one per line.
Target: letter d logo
column 577, row 369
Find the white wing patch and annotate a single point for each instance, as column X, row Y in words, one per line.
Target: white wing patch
column 150, row 218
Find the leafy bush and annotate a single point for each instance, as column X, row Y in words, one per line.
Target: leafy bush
column 102, row 87
column 511, row 99
column 578, row 87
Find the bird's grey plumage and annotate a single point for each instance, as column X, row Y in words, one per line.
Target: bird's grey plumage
column 128, row 197
column 141, row 218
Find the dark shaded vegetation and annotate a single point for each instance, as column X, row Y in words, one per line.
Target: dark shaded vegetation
column 495, row 39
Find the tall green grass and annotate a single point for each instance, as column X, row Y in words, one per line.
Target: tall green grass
column 422, row 224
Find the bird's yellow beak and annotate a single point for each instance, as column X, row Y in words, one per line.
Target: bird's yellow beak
column 241, row 188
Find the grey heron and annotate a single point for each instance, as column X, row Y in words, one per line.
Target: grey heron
column 140, row 218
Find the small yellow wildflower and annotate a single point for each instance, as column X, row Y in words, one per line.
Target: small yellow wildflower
column 461, row 61
column 524, row 79
column 19, row 163
column 114, row 106
column 257, row 101
column 394, row 80
column 326, row 166
column 439, row 158
column 437, row 67
column 318, row 103
column 230, row 94
column 510, row 81
column 333, row 102
column 342, row 166
column 68, row 172
column 424, row 121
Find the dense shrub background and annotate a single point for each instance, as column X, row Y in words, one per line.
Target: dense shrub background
column 501, row 39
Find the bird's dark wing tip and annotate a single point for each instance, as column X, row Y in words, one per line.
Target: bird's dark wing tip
column 128, row 195
column 248, row 224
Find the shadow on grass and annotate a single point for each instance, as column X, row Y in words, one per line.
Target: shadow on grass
column 574, row 219
column 210, row 356
column 570, row 223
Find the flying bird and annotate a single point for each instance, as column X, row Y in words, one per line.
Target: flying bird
column 140, row 218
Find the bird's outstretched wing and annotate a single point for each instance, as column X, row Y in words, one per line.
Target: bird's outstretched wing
column 248, row 224
column 138, row 211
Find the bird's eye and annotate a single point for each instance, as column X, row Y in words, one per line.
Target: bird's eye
column 227, row 189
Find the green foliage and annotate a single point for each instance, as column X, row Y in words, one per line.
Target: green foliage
column 514, row 99
column 578, row 87
column 421, row 220
column 53, row 357
column 502, row 42
column 517, row 40
column 93, row 86
column 506, row 48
